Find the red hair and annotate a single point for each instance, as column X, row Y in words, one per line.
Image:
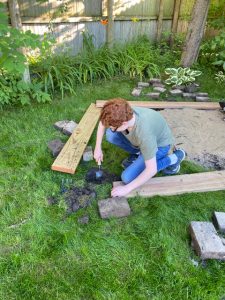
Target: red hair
column 115, row 112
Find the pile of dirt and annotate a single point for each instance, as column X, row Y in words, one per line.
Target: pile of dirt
column 201, row 133
column 106, row 177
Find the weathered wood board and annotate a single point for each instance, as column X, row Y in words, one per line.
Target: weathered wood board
column 169, row 104
column 69, row 158
column 180, row 184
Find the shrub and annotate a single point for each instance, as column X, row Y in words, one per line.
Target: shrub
column 181, row 75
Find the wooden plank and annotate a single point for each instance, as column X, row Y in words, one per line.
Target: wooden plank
column 169, row 104
column 160, row 21
column 180, row 184
column 69, row 158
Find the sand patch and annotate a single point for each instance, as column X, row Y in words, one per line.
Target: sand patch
column 201, row 133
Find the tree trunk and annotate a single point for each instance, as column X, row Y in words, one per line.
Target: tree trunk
column 195, row 33
column 16, row 23
column 160, row 21
column 110, row 25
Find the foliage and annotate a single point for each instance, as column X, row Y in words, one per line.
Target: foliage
column 216, row 15
column 181, row 75
column 220, row 77
column 213, row 51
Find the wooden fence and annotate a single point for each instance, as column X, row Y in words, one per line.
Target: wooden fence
column 67, row 19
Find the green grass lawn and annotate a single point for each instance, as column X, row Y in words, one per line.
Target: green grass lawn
column 47, row 256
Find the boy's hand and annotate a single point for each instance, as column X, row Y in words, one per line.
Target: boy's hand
column 98, row 155
column 120, row 191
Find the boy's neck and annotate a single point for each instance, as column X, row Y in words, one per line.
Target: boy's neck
column 131, row 123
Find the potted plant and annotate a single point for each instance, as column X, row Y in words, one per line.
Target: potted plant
column 183, row 76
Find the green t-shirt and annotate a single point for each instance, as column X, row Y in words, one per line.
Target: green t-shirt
column 150, row 131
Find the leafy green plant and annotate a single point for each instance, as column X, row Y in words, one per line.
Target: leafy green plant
column 220, row 77
column 181, row 75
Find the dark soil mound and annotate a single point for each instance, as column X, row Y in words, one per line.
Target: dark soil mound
column 106, row 177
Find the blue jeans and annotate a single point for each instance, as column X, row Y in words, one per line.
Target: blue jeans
column 138, row 166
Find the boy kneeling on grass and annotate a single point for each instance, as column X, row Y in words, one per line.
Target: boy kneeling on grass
column 145, row 135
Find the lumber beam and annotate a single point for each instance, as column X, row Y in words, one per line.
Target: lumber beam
column 69, row 158
column 180, row 184
column 169, row 104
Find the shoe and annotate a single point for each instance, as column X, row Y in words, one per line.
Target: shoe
column 174, row 169
column 129, row 160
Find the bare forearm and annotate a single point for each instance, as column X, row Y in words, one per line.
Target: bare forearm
column 100, row 134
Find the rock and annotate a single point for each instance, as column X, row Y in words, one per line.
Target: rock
column 69, row 127
column 88, row 154
column 176, row 92
column 191, row 88
column 136, row 92
column 207, row 243
column 83, row 219
column 60, row 124
column 143, row 84
column 178, row 87
column 153, row 95
column 189, row 95
column 219, row 220
column 159, row 89
column 55, row 146
column 202, row 99
column 202, row 94
column 114, row 207
column 158, row 84
column 154, row 80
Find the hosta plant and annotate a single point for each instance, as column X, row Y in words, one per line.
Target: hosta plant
column 181, row 76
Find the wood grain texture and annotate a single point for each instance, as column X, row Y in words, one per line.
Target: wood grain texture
column 180, row 184
column 164, row 104
column 69, row 158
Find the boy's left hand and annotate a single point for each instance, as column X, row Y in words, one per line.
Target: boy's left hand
column 120, row 191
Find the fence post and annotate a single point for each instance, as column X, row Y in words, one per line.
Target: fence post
column 176, row 12
column 160, row 21
column 110, row 25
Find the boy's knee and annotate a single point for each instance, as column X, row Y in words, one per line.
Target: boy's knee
column 125, row 177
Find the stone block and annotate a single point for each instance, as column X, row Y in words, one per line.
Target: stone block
column 136, row 92
column 178, row 87
column 202, row 94
column 69, row 127
column 114, row 207
column 143, row 84
column 159, row 89
column 206, row 241
column 153, row 95
column 189, row 95
column 219, row 220
column 158, row 84
column 176, row 93
column 60, row 124
column 55, row 146
column 154, row 80
column 202, row 99
column 88, row 154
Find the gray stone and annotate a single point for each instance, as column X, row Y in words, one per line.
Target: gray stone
column 55, row 146
column 189, row 95
column 159, row 89
column 60, row 124
column 202, row 99
column 136, row 92
column 114, row 207
column 158, row 84
column 207, row 243
column 153, row 95
column 154, row 80
column 176, row 92
column 202, row 94
column 88, row 154
column 143, row 84
column 83, row 220
column 219, row 220
column 69, row 127
column 178, row 87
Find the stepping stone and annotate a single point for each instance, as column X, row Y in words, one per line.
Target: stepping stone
column 202, row 99
column 114, row 207
column 176, row 92
column 60, row 124
column 206, row 241
column 55, row 146
column 158, row 84
column 159, row 89
column 202, row 94
column 153, row 95
column 219, row 220
column 178, row 87
column 69, row 128
column 88, row 154
column 189, row 95
column 143, row 84
column 154, row 80
column 136, row 92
